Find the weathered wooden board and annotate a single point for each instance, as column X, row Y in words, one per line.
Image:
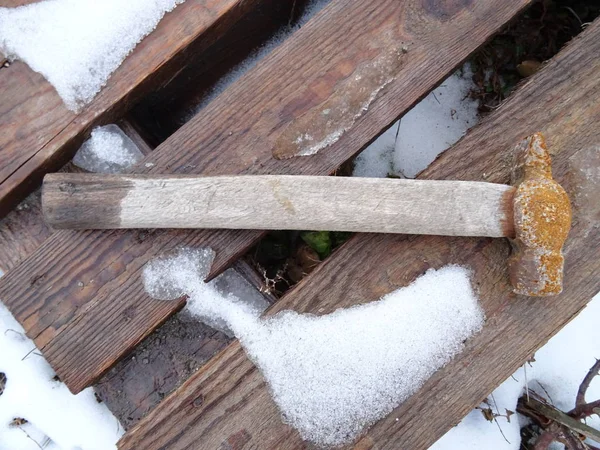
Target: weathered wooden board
column 562, row 101
column 82, row 331
column 165, row 360
column 38, row 134
column 279, row 202
column 23, row 230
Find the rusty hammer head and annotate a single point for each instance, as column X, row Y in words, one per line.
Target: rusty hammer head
column 542, row 219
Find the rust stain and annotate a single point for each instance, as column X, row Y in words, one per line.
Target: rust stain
column 325, row 123
column 542, row 215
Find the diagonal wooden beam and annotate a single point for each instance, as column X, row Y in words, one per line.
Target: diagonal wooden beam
column 562, row 101
column 80, row 297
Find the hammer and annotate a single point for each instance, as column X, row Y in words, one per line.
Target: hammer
column 534, row 212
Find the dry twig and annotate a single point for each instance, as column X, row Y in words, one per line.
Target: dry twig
column 583, row 409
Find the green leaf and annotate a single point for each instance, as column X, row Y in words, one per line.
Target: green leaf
column 319, row 241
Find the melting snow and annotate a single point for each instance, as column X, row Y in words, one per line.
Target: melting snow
column 334, row 375
column 108, row 150
column 56, row 419
column 557, row 371
column 172, row 277
column 77, row 44
column 429, row 128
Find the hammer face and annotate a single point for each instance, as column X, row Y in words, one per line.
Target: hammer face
column 542, row 215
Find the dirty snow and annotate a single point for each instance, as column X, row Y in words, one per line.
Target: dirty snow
column 556, row 374
column 429, row 128
column 77, row 44
column 108, row 150
column 334, row 375
column 56, row 419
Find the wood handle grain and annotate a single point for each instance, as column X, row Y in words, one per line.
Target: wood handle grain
column 278, row 202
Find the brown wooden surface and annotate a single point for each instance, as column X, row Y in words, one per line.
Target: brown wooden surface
column 562, row 101
column 165, row 360
column 82, row 331
column 38, row 134
column 23, row 230
column 174, row 104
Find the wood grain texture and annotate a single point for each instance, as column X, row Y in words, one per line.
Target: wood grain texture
column 172, row 105
column 38, row 134
column 563, row 101
column 83, row 331
column 23, row 230
column 165, row 360
column 133, row 130
column 279, row 202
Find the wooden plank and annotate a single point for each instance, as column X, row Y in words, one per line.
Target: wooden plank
column 23, row 230
column 279, row 202
column 165, row 360
column 39, row 134
column 562, row 101
column 133, row 130
column 83, row 331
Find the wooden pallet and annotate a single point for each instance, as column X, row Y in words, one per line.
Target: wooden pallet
column 83, row 332
column 88, row 309
column 563, row 101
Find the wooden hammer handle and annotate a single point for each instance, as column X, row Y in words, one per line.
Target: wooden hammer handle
column 278, row 202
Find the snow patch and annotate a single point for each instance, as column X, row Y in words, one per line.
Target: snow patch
column 334, row 375
column 557, row 372
column 77, row 44
column 429, row 128
column 376, row 160
column 108, row 150
column 172, row 277
column 56, row 418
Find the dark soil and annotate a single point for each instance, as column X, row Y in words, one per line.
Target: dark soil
column 522, row 47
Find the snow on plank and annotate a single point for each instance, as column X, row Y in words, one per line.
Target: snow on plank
column 39, row 134
column 78, row 44
column 562, row 101
column 336, row 374
column 83, row 331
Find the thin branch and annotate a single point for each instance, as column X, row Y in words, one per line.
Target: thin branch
column 496, row 420
column 585, row 410
column 580, row 399
column 538, row 410
column 36, row 442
